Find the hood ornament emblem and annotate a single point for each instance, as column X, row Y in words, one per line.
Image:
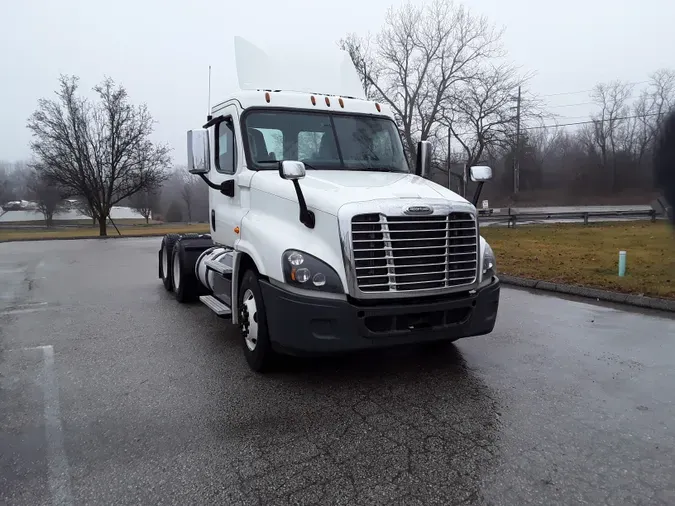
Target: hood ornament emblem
column 418, row 210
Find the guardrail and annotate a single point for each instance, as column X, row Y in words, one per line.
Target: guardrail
column 512, row 216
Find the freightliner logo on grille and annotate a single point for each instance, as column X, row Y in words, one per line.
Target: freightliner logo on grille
column 418, row 209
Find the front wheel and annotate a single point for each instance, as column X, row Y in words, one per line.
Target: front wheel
column 253, row 324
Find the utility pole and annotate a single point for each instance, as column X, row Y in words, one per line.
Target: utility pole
column 449, row 171
column 516, row 157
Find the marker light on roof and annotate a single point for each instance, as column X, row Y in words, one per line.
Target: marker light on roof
column 313, row 100
column 267, row 97
column 327, row 102
column 377, row 106
column 342, row 102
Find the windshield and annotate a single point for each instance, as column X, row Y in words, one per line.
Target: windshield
column 324, row 141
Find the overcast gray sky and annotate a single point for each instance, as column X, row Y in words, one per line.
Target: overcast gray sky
column 160, row 50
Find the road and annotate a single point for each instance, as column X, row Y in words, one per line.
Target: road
column 113, row 393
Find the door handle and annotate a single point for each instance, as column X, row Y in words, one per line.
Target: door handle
column 213, row 220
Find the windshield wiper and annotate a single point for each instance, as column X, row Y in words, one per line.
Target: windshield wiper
column 309, row 166
column 374, row 169
column 364, row 168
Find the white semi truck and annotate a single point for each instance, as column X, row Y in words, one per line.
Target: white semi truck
column 322, row 237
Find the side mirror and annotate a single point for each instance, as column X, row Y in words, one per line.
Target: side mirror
column 481, row 173
column 291, row 170
column 294, row 171
column 199, row 153
column 423, row 164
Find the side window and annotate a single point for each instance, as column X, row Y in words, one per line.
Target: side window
column 226, row 162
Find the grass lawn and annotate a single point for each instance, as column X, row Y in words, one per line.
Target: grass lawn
column 588, row 255
column 17, row 234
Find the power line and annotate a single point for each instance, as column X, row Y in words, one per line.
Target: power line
column 587, row 122
column 587, row 91
column 590, row 121
column 571, row 105
column 566, row 93
column 632, row 94
column 571, row 118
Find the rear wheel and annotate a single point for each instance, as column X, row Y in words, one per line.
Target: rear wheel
column 186, row 287
column 165, row 266
column 253, row 324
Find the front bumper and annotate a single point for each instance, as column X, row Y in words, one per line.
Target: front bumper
column 299, row 324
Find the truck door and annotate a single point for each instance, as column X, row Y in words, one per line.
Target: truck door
column 225, row 209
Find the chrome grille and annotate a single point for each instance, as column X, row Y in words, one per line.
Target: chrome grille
column 406, row 253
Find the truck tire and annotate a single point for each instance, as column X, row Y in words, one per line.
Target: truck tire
column 165, row 267
column 186, row 286
column 255, row 337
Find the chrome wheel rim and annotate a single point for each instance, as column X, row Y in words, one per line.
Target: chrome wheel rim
column 249, row 320
column 176, row 271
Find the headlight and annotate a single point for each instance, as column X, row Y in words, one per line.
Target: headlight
column 308, row 272
column 489, row 262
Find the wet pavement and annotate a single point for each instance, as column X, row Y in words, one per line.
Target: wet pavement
column 113, row 393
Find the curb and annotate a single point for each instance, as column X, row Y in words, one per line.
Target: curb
column 592, row 293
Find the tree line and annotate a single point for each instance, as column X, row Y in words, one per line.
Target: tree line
column 181, row 197
column 442, row 70
column 445, row 74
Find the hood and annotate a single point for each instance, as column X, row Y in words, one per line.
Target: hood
column 328, row 190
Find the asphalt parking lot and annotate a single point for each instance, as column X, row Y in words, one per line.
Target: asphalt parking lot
column 113, row 393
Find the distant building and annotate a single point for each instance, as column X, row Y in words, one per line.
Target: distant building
column 19, row 205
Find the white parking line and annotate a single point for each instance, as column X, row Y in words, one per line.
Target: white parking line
column 12, row 271
column 57, row 462
column 32, row 307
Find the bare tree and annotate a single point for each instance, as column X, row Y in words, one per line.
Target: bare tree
column 100, row 151
column 174, row 213
column 85, row 207
column 420, row 55
column 359, row 50
column 5, row 188
column 13, row 180
column 610, row 122
column 662, row 95
column 188, row 190
column 482, row 112
column 641, row 128
column 648, row 111
column 145, row 202
column 46, row 195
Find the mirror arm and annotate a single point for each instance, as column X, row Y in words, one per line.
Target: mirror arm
column 214, row 121
column 209, row 183
column 307, row 217
column 476, row 194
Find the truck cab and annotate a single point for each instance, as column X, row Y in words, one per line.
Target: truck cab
column 323, row 237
